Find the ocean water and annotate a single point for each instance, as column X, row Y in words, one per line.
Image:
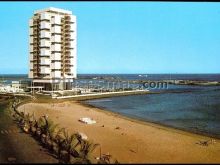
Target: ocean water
column 208, row 77
column 193, row 108
column 197, row 110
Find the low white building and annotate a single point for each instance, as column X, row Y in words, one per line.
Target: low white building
column 10, row 89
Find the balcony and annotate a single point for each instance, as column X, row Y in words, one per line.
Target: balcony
column 70, row 36
column 73, row 27
column 35, row 44
column 56, row 38
column 73, row 53
column 35, row 67
column 67, row 70
column 67, row 18
column 31, row 22
column 67, row 34
column 45, row 61
column 72, row 44
column 30, row 74
column 31, row 31
column 44, row 52
column 35, row 56
column 68, row 57
column 67, row 22
column 68, row 52
column 31, row 65
column 70, row 18
column 67, row 31
column 67, row 61
column 45, row 16
column 36, row 53
column 56, row 65
column 31, row 56
column 67, row 26
column 36, row 72
column 31, row 39
column 35, row 36
column 35, row 31
column 35, row 75
column 35, row 22
column 56, row 56
column 44, row 70
column 31, row 48
column 45, row 43
column 56, row 74
column 56, row 47
column 35, row 48
column 56, row 29
column 73, row 18
column 45, row 25
column 45, row 34
column 56, row 20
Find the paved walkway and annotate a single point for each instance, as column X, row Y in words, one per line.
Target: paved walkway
column 104, row 94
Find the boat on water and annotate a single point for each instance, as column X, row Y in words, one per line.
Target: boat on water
column 142, row 75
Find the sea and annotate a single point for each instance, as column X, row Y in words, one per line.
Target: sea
column 190, row 108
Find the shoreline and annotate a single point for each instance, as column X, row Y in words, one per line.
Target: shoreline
column 145, row 122
column 130, row 131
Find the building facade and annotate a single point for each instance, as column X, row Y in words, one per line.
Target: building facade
column 53, row 48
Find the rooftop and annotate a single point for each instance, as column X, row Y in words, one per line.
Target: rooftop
column 53, row 9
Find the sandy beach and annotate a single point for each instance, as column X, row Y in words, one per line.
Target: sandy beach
column 133, row 141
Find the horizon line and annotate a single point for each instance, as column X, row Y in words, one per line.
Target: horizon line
column 110, row 73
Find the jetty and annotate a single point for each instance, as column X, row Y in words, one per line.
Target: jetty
column 102, row 95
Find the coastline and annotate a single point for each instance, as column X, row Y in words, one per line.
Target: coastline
column 132, row 132
column 149, row 123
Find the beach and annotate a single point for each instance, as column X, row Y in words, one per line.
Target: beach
column 129, row 140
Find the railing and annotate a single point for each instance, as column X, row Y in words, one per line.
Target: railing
column 67, row 26
column 67, row 61
column 67, row 70
column 67, row 18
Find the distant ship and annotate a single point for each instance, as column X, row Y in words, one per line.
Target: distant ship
column 142, row 75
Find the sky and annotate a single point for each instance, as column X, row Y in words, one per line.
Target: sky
column 123, row 37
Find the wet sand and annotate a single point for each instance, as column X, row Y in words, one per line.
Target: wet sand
column 133, row 141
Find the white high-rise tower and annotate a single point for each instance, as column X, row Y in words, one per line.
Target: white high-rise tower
column 53, row 48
